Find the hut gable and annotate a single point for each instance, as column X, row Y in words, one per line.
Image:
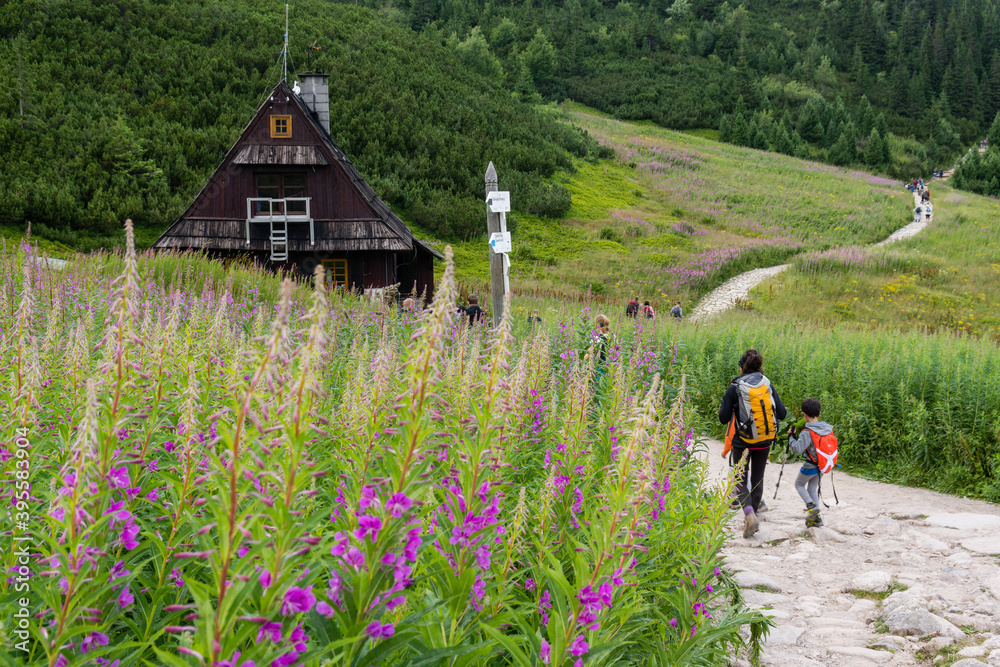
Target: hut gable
column 285, row 191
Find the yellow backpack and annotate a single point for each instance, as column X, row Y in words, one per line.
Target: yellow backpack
column 755, row 411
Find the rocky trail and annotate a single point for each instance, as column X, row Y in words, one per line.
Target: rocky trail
column 723, row 297
column 897, row 576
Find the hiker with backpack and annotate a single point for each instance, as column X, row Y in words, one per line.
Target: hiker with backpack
column 632, row 309
column 754, row 407
column 648, row 311
column 676, row 311
column 817, row 443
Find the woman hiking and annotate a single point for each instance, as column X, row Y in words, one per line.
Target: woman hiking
column 754, row 407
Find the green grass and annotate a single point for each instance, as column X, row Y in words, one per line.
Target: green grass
column 676, row 214
column 878, row 596
column 945, row 279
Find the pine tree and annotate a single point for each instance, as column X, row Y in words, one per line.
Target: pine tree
column 875, row 150
column 993, row 136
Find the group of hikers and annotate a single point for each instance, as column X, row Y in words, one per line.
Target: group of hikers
column 752, row 409
column 924, row 208
column 632, row 309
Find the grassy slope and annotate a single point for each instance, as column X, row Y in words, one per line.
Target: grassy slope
column 681, row 213
column 947, row 278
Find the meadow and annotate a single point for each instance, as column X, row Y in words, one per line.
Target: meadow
column 674, row 215
column 217, row 468
column 945, row 279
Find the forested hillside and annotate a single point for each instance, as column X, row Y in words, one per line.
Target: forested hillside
column 122, row 109
column 822, row 79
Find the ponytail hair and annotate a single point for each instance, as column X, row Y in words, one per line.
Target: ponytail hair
column 751, row 361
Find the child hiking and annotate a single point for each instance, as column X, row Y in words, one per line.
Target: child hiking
column 817, row 443
column 755, row 407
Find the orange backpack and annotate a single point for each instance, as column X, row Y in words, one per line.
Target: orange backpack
column 826, row 451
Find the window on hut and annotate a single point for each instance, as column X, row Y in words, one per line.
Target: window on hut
column 281, row 186
column 281, row 127
column 336, row 273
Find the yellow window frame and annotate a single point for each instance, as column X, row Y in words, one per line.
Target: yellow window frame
column 335, row 271
column 281, row 127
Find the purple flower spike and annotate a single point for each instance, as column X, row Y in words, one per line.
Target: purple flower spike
column 579, row 646
column 354, row 558
column 546, row 653
column 125, row 599
column 271, row 631
column 297, row 600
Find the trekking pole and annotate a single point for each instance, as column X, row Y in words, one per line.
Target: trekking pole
column 782, row 471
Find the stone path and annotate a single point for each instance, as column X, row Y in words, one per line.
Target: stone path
column 932, row 557
column 723, row 297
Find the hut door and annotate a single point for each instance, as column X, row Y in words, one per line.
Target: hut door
column 336, row 273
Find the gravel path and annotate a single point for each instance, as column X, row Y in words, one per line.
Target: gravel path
column 942, row 549
column 723, row 297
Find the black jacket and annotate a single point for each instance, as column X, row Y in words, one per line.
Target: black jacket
column 728, row 408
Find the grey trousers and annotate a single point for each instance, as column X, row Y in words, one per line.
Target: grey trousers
column 807, row 486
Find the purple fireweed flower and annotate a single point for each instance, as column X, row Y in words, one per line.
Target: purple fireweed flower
column 129, row 533
column 708, row 587
column 412, row 544
column 176, row 578
column 397, row 504
column 242, row 551
column 395, row 602
column 483, row 557
column 718, row 572
column 543, row 604
column 368, row 526
column 376, row 630
column 369, row 497
column 579, row 646
column 117, row 512
column 265, row 579
column 153, row 496
column 354, row 557
column 673, row 622
column 118, row 571
column 323, row 609
column 153, row 465
column 546, row 653
column 119, row 477
column 578, row 505
column 92, row 641
column 235, row 662
column 125, row 599
column 297, row 600
column 339, row 544
column 529, row 584
column 271, row 631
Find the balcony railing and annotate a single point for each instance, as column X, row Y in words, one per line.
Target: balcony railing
column 277, row 213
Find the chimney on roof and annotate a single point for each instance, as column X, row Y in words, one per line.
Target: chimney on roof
column 316, row 94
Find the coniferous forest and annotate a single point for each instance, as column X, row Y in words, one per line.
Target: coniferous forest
column 122, row 109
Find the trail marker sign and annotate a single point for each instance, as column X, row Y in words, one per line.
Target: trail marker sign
column 500, row 242
column 498, row 201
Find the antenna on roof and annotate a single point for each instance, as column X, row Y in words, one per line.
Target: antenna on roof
column 284, row 51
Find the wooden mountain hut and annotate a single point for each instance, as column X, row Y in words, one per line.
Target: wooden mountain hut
column 287, row 195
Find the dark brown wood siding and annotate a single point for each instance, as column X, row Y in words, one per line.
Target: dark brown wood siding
column 333, row 197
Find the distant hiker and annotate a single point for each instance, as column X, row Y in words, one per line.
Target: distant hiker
column 534, row 318
column 676, row 311
column 474, row 312
column 632, row 309
column 925, row 196
column 756, row 407
column 604, row 340
column 918, row 214
column 648, row 311
column 817, row 443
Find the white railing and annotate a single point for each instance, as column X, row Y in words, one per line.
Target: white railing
column 285, row 210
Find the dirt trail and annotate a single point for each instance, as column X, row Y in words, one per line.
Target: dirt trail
column 723, row 297
column 881, row 537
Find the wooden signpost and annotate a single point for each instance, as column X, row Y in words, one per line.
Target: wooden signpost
column 497, row 206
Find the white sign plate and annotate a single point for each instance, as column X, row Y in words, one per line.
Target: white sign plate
column 499, row 201
column 500, row 242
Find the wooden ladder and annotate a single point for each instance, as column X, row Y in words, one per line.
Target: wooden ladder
column 279, row 241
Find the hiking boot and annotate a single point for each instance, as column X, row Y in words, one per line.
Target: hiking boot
column 813, row 519
column 762, row 507
column 750, row 525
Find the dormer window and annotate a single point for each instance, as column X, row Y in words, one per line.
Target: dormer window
column 281, row 127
